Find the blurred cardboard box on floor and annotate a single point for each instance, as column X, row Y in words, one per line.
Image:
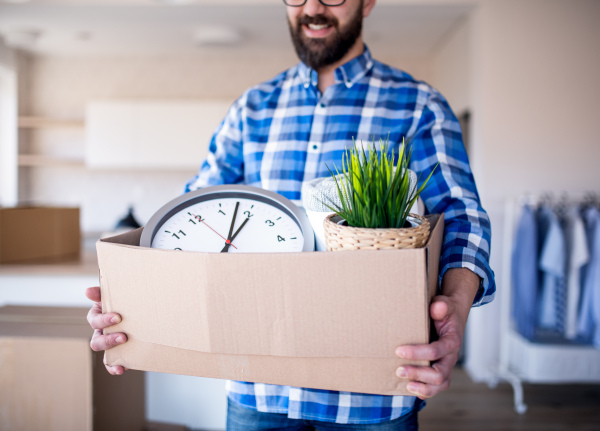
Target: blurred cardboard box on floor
column 51, row 380
column 32, row 233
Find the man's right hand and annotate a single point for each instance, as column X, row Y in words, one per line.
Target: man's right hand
column 99, row 321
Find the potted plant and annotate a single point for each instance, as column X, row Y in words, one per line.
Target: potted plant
column 375, row 199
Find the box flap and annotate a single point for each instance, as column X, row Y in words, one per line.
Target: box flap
column 280, row 304
column 128, row 238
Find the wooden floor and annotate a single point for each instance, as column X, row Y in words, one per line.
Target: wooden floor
column 467, row 406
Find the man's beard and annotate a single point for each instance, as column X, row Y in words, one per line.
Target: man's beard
column 321, row 52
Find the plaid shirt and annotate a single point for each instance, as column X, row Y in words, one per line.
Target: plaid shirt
column 283, row 132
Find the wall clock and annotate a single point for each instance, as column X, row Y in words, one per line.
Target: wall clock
column 230, row 219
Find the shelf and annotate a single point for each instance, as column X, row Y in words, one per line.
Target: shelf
column 30, row 122
column 34, row 160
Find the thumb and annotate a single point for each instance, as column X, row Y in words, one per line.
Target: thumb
column 93, row 293
column 439, row 308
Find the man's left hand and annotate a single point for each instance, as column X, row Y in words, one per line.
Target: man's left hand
column 449, row 313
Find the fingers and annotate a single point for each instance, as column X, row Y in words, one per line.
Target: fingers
column 93, row 293
column 99, row 320
column 426, row 382
column 449, row 344
column 115, row 370
column 101, row 342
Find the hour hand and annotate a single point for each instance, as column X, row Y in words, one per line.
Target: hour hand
column 234, row 235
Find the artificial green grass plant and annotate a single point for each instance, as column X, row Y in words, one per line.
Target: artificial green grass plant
column 374, row 193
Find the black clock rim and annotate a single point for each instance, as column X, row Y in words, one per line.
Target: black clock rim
column 225, row 191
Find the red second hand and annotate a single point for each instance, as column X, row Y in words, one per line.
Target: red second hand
column 226, row 240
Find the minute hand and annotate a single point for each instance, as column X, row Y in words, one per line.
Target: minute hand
column 234, row 235
column 228, row 240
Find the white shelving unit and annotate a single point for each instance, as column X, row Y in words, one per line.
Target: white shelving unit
column 523, row 361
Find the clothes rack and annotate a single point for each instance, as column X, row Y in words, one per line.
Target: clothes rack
column 524, row 361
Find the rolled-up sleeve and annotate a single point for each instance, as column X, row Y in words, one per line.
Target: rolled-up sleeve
column 437, row 144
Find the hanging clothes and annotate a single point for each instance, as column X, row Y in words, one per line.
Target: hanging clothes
column 552, row 263
column 589, row 315
column 525, row 274
column 577, row 257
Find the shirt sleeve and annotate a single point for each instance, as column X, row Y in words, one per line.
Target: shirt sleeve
column 224, row 163
column 451, row 190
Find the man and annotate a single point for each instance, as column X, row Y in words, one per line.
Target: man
column 288, row 130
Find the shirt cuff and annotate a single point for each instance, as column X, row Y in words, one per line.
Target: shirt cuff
column 487, row 286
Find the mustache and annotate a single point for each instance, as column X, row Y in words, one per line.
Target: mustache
column 317, row 20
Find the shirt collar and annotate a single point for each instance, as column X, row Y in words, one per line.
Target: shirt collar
column 348, row 73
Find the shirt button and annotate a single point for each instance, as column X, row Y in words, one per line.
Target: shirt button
column 315, row 146
column 322, row 105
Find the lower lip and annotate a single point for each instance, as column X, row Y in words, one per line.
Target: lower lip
column 317, row 33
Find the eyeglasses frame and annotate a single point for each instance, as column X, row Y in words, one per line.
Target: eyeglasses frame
column 320, row 1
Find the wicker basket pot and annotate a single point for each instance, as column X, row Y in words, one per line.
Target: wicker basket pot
column 339, row 237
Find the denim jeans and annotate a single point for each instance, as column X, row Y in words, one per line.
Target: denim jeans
column 240, row 418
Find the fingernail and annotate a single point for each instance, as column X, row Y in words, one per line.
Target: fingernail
column 412, row 388
column 115, row 319
column 400, row 353
column 401, row 372
column 120, row 339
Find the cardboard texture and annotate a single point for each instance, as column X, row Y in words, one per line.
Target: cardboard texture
column 39, row 234
column 326, row 320
column 50, row 379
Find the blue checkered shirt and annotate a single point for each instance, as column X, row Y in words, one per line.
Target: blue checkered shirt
column 283, row 132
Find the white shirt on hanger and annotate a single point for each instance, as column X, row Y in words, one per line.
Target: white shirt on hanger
column 577, row 257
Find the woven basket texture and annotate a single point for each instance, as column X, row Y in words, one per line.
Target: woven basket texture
column 341, row 238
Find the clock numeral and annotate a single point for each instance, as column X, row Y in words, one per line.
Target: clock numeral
column 192, row 221
column 195, row 216
column 247, row 214
column 270, row 223
column 175, row 234
column 177, row 248
column 280, row 238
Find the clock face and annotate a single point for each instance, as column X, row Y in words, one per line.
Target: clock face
column 233, row 219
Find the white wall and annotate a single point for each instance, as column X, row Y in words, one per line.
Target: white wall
column 449, row 69
column 8, row 123
column 60, row 87
column 532, row 86
column 7, row 57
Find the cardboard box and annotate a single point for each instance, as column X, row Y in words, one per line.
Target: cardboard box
column 50, row 379
column 39, row 234
column 328, row 320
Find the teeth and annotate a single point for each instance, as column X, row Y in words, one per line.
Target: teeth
column 317, row 26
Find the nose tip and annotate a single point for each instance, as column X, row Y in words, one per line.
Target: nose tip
column 314, row 7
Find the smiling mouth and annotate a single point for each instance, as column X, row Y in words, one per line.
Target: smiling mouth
column 318, row 27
